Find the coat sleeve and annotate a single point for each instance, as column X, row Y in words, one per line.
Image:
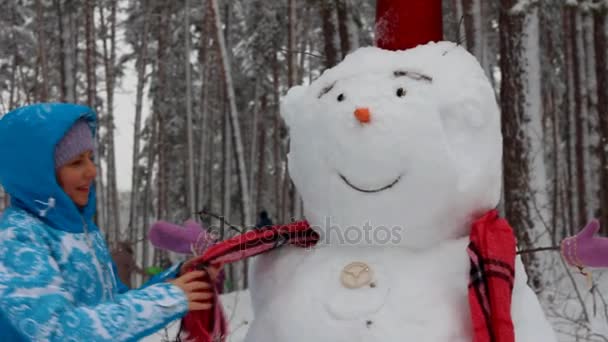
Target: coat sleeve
column 35, row 302
column 170, row 273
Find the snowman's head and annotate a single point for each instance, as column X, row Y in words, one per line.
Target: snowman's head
column 405, row 143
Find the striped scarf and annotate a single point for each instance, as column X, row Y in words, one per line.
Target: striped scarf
column 492, row 254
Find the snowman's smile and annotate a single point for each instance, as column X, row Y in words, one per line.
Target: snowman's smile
column 360, row 189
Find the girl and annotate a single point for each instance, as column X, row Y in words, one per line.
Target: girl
column 57, row 280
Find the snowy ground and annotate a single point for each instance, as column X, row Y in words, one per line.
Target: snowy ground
column 564, row 312
column 562, row 304
column 238, row 309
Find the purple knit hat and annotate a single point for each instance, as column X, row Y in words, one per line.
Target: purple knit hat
column 77, row 140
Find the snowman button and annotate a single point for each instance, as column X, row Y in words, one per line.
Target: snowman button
column 356, row 275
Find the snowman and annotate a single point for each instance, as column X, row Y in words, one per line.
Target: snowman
column 396, row 153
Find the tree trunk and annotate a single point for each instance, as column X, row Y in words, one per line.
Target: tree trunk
column 89, row 54
column 13, row 83
column 276, row 132
column 14, row 68
column 599, row 18
column 329, row 33
column 459, row 29
column 148, row 207
column 161, row 107
column 523, row 157
column 229, row 144
column 234, row 118
column 590, row 123
column 109, row 54
column 90, row 67
column 205, row 141
column 141, row 82
column 551, row 98
column 470, row 28
column 190, row 155
column 43, row 89
column 261, row 154
column 226, row 164
column 289, row 188
column 304, row 42
column 27, row 90
column 343, row 27
column 291, row 43
column 71, row 52
column 215, row 126
column 571, row 199
column 579, row 116
column 58, row 8
column 255, row 129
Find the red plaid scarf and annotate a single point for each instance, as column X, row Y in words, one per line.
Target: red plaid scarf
column 492, row 254
column 211, row 325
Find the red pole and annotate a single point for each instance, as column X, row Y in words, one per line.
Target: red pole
column 404, row 24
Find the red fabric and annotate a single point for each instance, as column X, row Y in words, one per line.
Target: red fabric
column 212, row 325
column 492, row 252
column 404, row 24
column 491, row 249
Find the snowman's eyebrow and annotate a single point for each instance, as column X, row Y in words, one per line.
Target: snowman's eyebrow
column 326, row 89
column 413, row 75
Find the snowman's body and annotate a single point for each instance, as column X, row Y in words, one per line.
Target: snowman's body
column 411, row 299
column 394, row 155
column 298, row 296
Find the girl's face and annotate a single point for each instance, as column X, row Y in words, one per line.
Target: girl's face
column 77, row 176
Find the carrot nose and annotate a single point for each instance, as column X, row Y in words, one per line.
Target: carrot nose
column 363, row 115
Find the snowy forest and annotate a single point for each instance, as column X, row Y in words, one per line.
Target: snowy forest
column 208, row 141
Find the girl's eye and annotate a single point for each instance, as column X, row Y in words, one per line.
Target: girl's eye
column 400, row 92
column 341, row 97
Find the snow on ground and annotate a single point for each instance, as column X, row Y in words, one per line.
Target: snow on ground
column 560, row 299
column 562, row 304
column 561, row 313
column 237, row 306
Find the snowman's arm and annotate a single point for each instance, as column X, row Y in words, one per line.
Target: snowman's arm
column 529, row 320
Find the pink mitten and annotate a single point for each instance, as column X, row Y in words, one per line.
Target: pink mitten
column 189, row 239
column 584, row 249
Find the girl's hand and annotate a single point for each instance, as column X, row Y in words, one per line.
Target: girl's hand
column 214, row 270
column 197, row 291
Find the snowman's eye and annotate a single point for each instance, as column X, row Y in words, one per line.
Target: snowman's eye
column 341, row 97
column 401, row 92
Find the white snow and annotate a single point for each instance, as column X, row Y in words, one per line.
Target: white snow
column 441, row 141
column 237, row 306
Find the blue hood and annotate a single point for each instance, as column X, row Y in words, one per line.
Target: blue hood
column 28, row 136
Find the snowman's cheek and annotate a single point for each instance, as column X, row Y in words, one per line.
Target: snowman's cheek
column 466, row 116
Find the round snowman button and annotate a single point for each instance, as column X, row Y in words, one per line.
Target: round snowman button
column 356, row 275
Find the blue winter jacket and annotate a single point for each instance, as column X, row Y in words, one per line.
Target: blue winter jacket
column 57, row 279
